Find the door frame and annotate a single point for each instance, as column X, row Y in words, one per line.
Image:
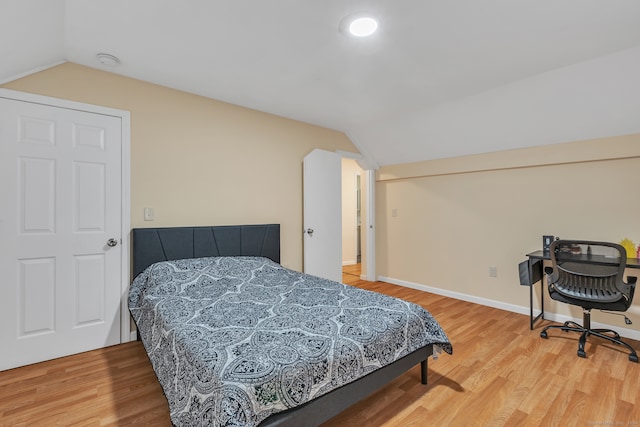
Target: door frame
column 358, row 190
column 125, row 190
column 370, row 185
column 369, row 182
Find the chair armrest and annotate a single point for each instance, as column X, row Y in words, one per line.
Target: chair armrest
column 631, row 286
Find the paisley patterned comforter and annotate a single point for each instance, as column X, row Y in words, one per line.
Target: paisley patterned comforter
column 236, row 339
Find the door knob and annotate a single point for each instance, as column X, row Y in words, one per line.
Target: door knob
column 112, row 242
column 310, row 231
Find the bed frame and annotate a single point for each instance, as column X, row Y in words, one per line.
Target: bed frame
column 152, row 245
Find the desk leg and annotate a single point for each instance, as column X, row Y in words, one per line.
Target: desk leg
column 530, row 300
column 542, row 295
column 532, row 320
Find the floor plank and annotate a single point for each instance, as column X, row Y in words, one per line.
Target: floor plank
column 500, row 374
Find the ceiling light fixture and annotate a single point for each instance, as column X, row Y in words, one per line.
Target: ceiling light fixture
column 359, row 25
column 108, row 60
column 363, row 27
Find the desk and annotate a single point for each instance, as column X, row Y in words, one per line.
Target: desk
column 535, row 261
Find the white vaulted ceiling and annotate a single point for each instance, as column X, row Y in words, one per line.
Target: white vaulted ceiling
column 439, row 78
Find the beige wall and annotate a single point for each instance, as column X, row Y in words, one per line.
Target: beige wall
column 457, row 217
column 198, row 161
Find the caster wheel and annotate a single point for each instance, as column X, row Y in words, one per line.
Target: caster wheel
column 582, row 354
column 543, row 334
column 633, row 358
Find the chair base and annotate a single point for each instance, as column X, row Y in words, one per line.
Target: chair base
column 585, row 332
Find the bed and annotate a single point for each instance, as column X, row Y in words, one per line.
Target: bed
column 236, row 339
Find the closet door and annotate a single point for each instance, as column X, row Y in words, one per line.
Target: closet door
column 322, row 206
column 60, row 228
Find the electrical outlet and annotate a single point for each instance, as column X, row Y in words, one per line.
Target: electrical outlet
column 493, row 272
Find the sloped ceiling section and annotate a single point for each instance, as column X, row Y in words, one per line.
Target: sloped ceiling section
column 31, row 36
column 439, row 79
column 592, row 99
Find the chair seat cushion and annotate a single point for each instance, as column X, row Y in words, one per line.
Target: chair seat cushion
column 622, row 304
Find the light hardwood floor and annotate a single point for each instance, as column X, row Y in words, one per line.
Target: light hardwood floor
column 501, row 374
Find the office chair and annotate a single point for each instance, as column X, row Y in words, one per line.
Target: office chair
column 590, row 275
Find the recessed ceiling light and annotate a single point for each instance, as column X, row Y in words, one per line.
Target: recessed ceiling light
column 358, row 25
column 108, row 60
column 363, row 27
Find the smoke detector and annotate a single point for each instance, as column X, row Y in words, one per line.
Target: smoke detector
column 108, row 60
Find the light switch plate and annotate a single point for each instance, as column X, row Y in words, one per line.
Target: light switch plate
column 149, row 214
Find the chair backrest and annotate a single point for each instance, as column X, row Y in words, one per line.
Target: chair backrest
column 589, row 271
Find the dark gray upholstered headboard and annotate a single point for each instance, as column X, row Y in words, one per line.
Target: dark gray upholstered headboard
column 152, row 245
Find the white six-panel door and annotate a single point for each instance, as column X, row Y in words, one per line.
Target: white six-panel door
column 322, row 210
column 60, row 177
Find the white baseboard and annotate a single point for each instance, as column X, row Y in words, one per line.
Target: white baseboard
column 348, row 263
column 555, row 317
